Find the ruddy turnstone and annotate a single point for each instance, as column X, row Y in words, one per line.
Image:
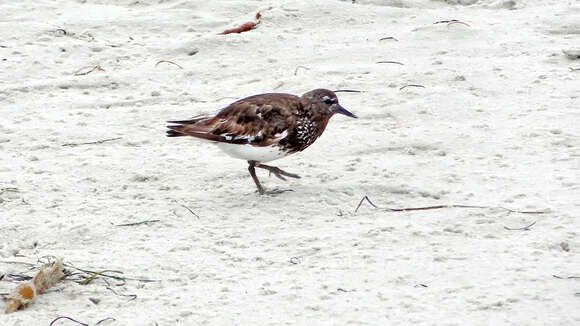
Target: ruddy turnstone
column 265, row 127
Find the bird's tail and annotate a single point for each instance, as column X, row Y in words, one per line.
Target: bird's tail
column 180, row 129
column 174, row 133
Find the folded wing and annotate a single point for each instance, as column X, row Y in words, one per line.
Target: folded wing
column 259, row 120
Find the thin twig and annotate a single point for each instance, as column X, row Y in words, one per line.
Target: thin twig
column 395, row 62
column 17, row 277
column 123, row 278
column 19, row 263
column 139, row 223
column 94, row 275
column 8, row 189
column 296, row 70
column 60, row 30
column 411, row 85
column 79, row 73
column 347, row 91
column 65, row 317
column 451, row 22
column 458, row 22
column 526, row 228
column 574, row 69
column 92, row 143
column 366, row 198
column 388, row 38
column 104, row 320
column 132, row 296
column 565, row 278
column 189, row 209
column 167, row 61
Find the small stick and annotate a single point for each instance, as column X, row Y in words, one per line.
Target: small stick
column 296, row 70
column 451, row 22
column 443, row 206
column 104, row 320
column 122, row 278
column 65, row 317
column 167, row 61
column 189, row 209
column 79, row 73
column 444, row 21
column 19, row 263
column 388, row 38
column 92, row 143
column 132, row 296
column 411, row 85
column 346, row 91
column 18, row 278
column 458, row 22
column 138, row 223
column 61, row 30
column 565, row 278
column 361, row 202
column 395, row 62
column 97, row 274
column 574, row 69
column 526, row 228
column 8, row 189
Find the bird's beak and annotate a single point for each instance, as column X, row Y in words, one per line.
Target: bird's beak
column 341, row 110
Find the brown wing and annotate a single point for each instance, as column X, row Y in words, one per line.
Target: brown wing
column 258, row 120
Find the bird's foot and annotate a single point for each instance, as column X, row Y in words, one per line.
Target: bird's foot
column 278, row 172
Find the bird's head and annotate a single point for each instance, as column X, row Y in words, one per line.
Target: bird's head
column 325, row 103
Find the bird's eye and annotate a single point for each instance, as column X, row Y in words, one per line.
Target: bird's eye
column 328, row 100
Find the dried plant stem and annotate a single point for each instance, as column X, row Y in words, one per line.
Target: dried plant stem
column 97, row 274
column 139, row 223
column 122, row 278
column 525, row 228
column 367, row 199
column 80, row 73
column 104, row 320
column 347, row 91
column 190, row 210
column 411, row 85
column 92, row 143
column 296, row 70
column 78, row 322
column 565, row 277
column 65, row 317
column 395, row 62
column 167, row 61
column 451, row 22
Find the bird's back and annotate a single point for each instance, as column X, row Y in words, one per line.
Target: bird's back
column 259, row 120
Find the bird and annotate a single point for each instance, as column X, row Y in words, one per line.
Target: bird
column 265, row 127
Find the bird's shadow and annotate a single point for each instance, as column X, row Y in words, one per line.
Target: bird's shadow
column 274, row 192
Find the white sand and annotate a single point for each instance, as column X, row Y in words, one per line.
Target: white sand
column 496, row 124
